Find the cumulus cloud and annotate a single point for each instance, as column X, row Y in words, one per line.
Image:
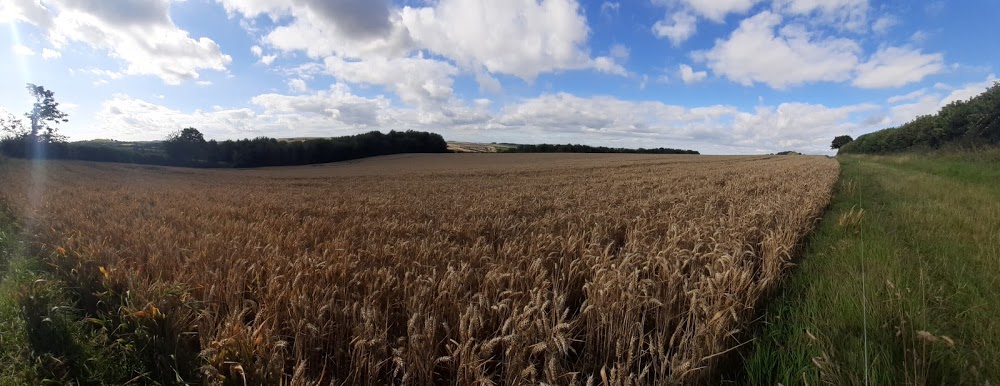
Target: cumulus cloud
column 359, row 40
column 968, row 91
column 298, row 85
column 523, row 38
column 883, row 24
column 678, row 29
column 336, row 105
column 415, row 80
column 559, row 117
column 610, row 7
column 717, row 10
column 903, row 108
column 49, row 54
column 896, row 66
column 689, row 75
column 22, row 50
column 140, row 33
column 842, row 14
column 760, row 52
column 130, row 118
column 681, row 22
column 907, row 97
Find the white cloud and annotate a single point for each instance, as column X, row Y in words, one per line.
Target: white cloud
column 519, row 37
column 204, row 83
column 130, row 118
column 551, row 118
column 842, row 14
column 969, row 90
column 337, row 106
column 790, row 56
column 355, row 19
column 929, row 100
column 298, row 85
column 689, row 76
column 487, row 83
column 609, row 7
column 49, row 54
column 415, row 80
column 268, row 59
column 256, row 50
column 715, row 129
column 716, row 10
column 620, row 52
column 607, row 65
column 907, row 97
column 895, row 67
column 679, row 29
column 140, row 33
column 21, row 50
column 883, row 24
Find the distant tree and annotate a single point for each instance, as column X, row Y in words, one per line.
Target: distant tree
column 186, row 146
column 840, row 141
column 44, row 115
column 12, row 128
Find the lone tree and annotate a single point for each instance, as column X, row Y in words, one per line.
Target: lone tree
column 44, row 115
column 840, row 141
column 186, row 146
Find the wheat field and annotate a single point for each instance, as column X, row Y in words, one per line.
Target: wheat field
column 467, row 269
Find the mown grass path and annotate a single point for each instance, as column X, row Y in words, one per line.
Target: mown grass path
column 919, row 238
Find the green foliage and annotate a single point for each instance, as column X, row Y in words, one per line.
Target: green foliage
column 571, row 148
column 43, row 341
column 65, row 323
column 974, row 123
column 840, row 141
column 189, row 148
column 186, row 146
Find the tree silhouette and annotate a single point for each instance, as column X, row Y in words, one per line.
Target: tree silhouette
column 186, row 146
column 44, row 115
column 841, row 141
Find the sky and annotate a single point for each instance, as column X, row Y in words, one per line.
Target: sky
column 717, row 76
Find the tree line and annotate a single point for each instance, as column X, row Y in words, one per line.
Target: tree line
column 571, row 148
column 188, row 147
column 973, row 123
column 192, row 150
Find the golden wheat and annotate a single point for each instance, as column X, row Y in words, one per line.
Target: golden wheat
column 460, row 269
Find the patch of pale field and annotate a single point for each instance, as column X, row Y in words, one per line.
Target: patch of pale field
column 439, row 268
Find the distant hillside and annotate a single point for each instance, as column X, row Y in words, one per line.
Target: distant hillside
column 571, row 148
column 973, row 123
column 472, row 147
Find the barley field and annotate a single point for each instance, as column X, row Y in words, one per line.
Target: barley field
column 467, row 269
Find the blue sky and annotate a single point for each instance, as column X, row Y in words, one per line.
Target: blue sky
column 719, row 76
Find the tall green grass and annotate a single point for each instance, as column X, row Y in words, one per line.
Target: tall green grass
column 900, row 278
column 43, row 339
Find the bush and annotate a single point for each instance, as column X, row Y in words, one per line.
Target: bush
column 967, row 124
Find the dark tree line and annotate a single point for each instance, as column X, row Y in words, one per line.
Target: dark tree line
column 961, row 124
column 189, row 148
column 570, row 148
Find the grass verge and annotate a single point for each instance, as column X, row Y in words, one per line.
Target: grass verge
column 44, row 339
column 900, row 279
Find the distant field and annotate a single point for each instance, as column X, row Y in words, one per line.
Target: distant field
column 430, row 269
column 472, row 147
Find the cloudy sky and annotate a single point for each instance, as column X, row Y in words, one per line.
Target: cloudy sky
column 718, row 76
